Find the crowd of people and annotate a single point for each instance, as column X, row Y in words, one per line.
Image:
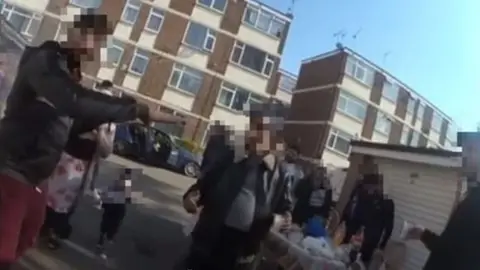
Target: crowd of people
column 55, row 131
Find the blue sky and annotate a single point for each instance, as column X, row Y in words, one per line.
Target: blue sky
column 434, row 45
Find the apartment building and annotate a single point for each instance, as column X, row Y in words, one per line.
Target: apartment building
column 341, row 95
column 286, row 84
column 204, row 59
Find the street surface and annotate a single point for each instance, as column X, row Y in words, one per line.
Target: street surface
column 150, row 238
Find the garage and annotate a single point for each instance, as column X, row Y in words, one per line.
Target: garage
column 424, row 183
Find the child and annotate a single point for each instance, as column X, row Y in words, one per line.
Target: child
column 114, row 204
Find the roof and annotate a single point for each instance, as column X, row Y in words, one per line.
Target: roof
column 341, row 48
column 430, row 156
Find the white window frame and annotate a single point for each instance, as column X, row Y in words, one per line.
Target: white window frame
column 133, row 6
column 384, row 127
column 117, row 47
column 452, row 137
column 139, row 55
column 210, row 34
column 259, row 11
column 421, row 108
column 212, row 6
column 79, row 3
column 415, row 138
column 155, row 12
column 404, row 136
column 351, row 100
column 339, row 134
column 387, row 93
column 356, row 64
column 183, row 69
column 269, row 59
column 9, row 10
column 437, row 117
column 411, row 105
column 284, row 77
column 251, row 96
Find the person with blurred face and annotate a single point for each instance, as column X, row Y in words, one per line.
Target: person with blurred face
column 46, row 97
column 240, row 196
column 375, row 215
column 314, row 197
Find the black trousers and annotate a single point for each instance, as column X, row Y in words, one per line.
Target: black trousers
column 58, row 223
column 222, row 255
column 113, row 215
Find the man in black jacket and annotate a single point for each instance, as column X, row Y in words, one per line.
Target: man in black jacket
column 240, row 199
column 45, row 98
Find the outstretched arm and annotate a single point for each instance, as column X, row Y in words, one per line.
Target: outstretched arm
column 54, row 85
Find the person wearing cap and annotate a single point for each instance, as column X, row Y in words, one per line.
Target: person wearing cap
column 240, row 198
column 46, row 97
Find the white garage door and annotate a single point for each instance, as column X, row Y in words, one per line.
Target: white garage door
column 423, row 195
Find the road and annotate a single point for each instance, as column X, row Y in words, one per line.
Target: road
column 150, row 238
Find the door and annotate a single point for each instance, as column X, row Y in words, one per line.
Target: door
column 162, row 147
column 423, row 195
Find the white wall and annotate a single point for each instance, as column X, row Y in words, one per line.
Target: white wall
column 356, row 88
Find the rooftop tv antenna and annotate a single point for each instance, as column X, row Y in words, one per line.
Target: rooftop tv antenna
column 290, row 8
column 340, row 35
column 385, row 56
column 354, row 36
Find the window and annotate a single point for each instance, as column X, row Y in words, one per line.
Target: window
column 339, row 141
column 410, row 105
column 115, row 52
column 23, row 21
column 390, row 91
column 383, row 124
column 236, row 98
column 86, row 3
column 404, row 137
column 359, row 70
column 131, row 11
column 218, row 5
column 186, row 79
column 420, row 112
column 139, row 62
column 155, row 20
column 437, row 122
column 264, row 21
column 252, row 58
column 200, row 37
column 287, row 83
column 415, row 138
column 452, row 133
column 351, row 106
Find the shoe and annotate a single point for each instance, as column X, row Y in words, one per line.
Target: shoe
column 53, row 243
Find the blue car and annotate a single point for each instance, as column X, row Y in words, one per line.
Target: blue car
column 156, row 148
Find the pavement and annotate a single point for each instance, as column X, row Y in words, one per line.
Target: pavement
column 151, row 236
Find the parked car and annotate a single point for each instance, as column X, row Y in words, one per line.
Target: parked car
column 154, row 147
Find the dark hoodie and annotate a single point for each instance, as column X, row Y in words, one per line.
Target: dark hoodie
column 44, row 99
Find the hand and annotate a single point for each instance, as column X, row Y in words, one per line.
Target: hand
column 414, row 233
column 190, row 202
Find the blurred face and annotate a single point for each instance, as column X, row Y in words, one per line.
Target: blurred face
column 262, row 136
column 86, row 42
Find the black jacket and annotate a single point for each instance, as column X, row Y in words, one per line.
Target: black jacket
column 43, row 100
column 303, row 210
column 457, row 247
column 219, row 187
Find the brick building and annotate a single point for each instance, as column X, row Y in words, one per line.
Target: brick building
column 200, row 58
column 340, row 96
